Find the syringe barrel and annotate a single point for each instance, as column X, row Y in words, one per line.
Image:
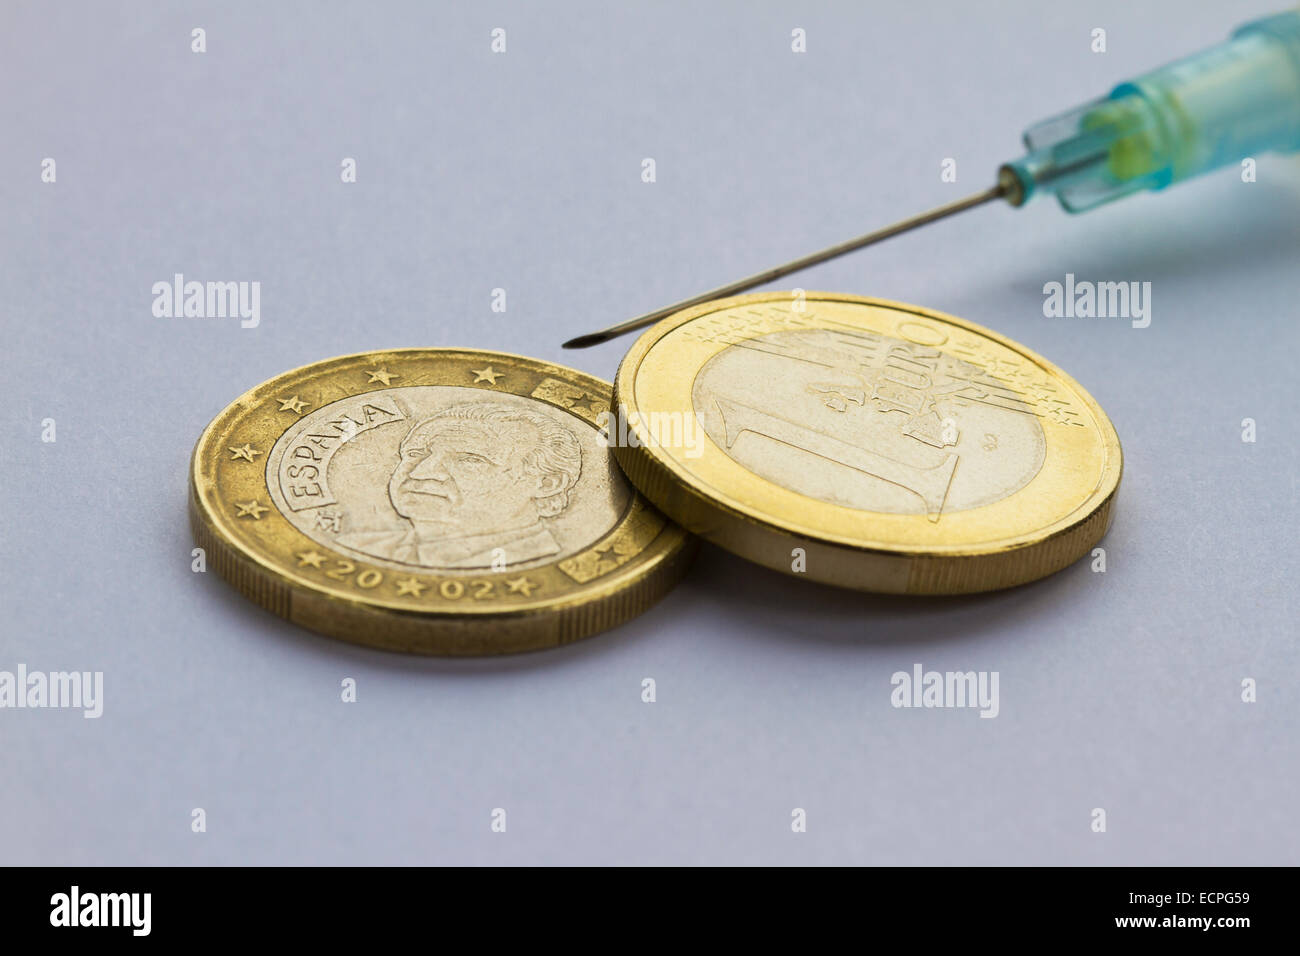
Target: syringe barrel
column 1230, row 102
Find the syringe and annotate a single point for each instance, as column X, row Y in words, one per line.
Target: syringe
column 1220, row 106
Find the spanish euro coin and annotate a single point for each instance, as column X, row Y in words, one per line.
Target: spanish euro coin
column 433, row 501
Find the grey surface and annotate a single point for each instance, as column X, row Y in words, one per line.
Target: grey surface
column 1118, row 690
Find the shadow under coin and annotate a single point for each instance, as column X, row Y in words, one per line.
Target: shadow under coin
column 769, row 605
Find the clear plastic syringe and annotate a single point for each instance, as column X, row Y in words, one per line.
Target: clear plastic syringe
column 1220, row 106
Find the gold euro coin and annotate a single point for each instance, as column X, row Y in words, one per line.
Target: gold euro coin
column 865, row 443
column 434, row 501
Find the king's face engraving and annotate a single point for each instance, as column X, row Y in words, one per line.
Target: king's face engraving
column 481, row 468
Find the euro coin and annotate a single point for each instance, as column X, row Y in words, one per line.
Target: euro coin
column 865, row 443
column 434, row 501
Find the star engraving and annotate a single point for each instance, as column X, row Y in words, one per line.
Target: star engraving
column 294, row 405
column 245, row 451
column 592, row 404
column 607, row 553
column 486, row 374
column 250, row 509
column 409, row 586
column 381, row 375
column 522, row 586
column 313, row 558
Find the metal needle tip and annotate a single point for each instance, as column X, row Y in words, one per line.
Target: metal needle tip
column 1000, row 191
column 587, row 341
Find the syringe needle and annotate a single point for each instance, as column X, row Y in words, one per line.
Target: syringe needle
column 1203, row 112
column 999, row 191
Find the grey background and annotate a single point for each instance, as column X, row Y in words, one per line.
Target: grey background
column 1118, row 690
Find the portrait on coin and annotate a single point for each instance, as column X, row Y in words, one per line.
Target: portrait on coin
column 473, row 484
